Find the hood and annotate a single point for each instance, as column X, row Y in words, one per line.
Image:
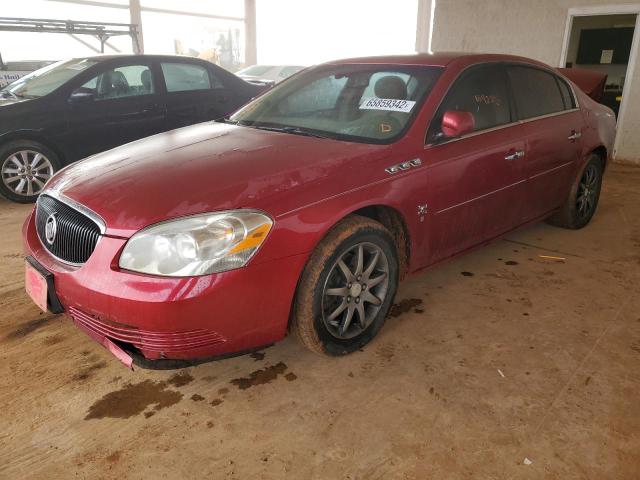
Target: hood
column 209, row 167
column 12, row 101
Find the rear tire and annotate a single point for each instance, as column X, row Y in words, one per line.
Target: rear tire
column 347, row 287
column 25, row 167
column 582, row 201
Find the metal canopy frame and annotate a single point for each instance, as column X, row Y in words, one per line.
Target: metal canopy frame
column 101, row 30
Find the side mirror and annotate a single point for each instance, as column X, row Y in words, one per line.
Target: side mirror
column 456, row 123
column 80, row 96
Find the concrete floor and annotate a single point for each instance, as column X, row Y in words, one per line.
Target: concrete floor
column 498, row 356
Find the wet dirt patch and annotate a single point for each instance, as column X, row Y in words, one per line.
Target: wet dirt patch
column 53, row 339
column 132, row 399
column 404, row 306
column 180, row 379
column 386, row 352
column 290, row 376
column 223, row 391
column 30, row 327
column 215, row 402
column 260, row 377
column 257, row 356
column 114, row 457
column 86, row 372
column 197, row 397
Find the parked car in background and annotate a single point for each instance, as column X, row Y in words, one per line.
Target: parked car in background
column 12, row 71
column 268, row 74
column 76, row 108
column 305, row 208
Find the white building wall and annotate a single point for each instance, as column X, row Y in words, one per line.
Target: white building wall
column 532, row 28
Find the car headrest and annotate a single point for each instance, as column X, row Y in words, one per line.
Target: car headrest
column 391, row 87
column 145, row 78
column 118, row 80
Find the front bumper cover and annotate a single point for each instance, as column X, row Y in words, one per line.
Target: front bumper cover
column 166, row 319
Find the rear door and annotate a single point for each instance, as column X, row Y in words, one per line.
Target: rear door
column 116, row 106
column 553, row 126
column 194, row 93
column 475, row 182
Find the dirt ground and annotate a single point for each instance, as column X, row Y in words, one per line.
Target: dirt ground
column 497, row 357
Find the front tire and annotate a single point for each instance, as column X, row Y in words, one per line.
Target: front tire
column 25, row 168
column 582, row 201
column 347, row 287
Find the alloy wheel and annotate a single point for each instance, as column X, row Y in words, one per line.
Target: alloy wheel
column 587, row 191
column 26, row 172
column 355, row 290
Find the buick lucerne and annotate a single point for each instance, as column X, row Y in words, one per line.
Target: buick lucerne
column 303, row 210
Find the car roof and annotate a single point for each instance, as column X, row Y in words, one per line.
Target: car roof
column 104, row 58
column 440, row 59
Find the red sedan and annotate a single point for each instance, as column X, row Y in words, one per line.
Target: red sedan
column 303, row 210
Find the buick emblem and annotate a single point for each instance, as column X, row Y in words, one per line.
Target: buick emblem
column 50, row 229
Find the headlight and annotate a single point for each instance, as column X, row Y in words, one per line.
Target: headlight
column 197, row 245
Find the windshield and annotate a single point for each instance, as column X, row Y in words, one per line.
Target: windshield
column 47, row 79
column 365, row 103
column 255, row 70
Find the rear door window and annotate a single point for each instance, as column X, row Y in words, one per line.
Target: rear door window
column 536, row 92
column 182, row 77
column 483, row 92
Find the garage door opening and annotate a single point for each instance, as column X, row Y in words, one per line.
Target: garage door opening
column 603, row 43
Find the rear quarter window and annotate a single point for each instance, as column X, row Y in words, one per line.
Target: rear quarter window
column 536, row 92
column 567, row 96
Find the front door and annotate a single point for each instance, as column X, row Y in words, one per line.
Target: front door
column 117, row 106
column 476, row 182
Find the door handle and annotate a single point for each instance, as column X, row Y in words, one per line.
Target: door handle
column 515, row 155
column 574, row 136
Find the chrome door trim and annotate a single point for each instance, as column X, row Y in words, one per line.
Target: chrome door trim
column 480, row 197
column 551, row 170
column 500, row 127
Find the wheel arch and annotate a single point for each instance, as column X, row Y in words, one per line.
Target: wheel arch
column 34, row 136
column 601, row 151
column 390, row 217
column 394, row 221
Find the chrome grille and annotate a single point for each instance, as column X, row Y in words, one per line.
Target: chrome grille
column 76, row 234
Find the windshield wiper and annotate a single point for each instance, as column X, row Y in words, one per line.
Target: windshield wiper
column 291, row 130
column 226, row 120
column 9, row 94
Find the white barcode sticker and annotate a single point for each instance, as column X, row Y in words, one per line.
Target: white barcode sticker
column 388, row 104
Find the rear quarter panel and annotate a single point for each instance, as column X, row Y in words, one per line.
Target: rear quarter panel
column 599, row 125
